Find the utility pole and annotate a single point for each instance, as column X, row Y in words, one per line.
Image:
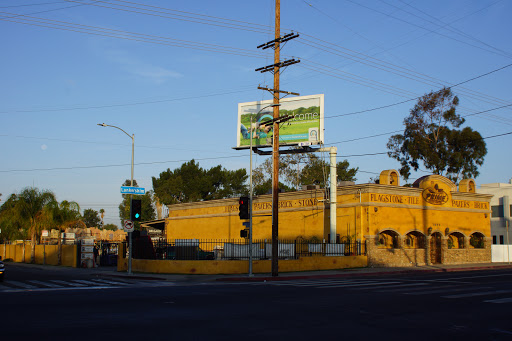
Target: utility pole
column 275, row 68
column 275, row 146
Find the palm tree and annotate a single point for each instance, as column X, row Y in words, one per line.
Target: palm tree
column 33, row 207
column 102, row 212
column 65, row 214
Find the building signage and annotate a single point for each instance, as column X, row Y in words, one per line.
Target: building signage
column 435, row 195
column 395, row 199
column 259, row 206
column 441, row 198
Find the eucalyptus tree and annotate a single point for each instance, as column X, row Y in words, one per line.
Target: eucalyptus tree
column 432, row 137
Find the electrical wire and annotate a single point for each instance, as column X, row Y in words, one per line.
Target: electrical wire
column 127, row 35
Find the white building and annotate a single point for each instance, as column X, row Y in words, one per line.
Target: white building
column 501, row 211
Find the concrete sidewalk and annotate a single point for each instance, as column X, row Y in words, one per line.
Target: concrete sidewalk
column 352, row 272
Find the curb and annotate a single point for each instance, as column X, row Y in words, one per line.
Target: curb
column 377, row 273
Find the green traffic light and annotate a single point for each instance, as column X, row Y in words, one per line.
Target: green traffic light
column 137, row 215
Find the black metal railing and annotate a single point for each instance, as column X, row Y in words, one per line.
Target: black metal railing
column 220, row 249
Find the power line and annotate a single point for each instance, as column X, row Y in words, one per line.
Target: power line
column 129, row 104
column 117, row 165
column 416, row 98
column 429, row 30
column 163, row 13
column 120, row 34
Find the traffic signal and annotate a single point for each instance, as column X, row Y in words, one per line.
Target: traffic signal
column 136, row 210
column 243, row 207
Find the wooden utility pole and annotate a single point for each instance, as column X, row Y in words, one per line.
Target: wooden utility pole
column 275, row 146
column 275, row 68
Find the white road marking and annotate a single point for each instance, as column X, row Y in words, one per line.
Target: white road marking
column 312, row 283
column 22, row 285
column 66, row 283
column 400, row 286
column 83, row 281
column 500, row 300
column 481, row 293
column 104, row 281
column 358, row 285
column 444, row 290
column 46, row 284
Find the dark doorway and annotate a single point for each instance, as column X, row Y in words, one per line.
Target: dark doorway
column 435, row 248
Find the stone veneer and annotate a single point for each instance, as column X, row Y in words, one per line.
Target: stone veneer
column 405, row 257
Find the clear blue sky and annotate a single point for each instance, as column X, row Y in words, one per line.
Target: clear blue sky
column 68, row 65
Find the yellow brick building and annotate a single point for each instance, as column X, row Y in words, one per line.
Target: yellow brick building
column 431, row 222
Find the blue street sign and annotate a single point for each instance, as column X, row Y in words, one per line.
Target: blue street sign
column 132, row 190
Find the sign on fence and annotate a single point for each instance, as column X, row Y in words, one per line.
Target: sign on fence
column 284, row 250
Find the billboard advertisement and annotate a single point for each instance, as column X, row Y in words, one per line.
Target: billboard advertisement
column 305, row 127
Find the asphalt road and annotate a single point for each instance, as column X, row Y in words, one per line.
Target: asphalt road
column 444, row 306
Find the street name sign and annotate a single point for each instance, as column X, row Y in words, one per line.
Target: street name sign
column 132, row 190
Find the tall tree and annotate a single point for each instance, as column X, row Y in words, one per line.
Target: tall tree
column 91, row 218
column 102, row 214
column 301, row 169
column 191, row 183
column 64, row 215
column 431, row 138
column 110, row 227
column 12, row 225
column 33, row 207
column 148, row 211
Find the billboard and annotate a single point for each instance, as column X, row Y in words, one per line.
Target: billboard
column 306, row 126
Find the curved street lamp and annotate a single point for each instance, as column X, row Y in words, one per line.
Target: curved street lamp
column 131, row 196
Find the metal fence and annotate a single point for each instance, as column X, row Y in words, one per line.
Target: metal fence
column 217, row 249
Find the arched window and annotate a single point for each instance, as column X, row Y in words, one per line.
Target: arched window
column 414, row 240
column 476, row 240
column 388, row 239
column 456, row 240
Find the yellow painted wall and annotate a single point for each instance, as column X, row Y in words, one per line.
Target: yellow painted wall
column 242, row 266
column 302, row 215
column 404, row 209
column 210, row 267
column 362, row 210
column 44, row 254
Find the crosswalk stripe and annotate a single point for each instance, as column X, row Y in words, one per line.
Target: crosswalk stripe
column 83, row 281
column 398, row 287
column 358, row 285
column 46, row 284
column 67, row 283
column 481, row 293
column 312, row 283
column 22, row 285
column 104, row 281
column 443, row 290
column 500, row 300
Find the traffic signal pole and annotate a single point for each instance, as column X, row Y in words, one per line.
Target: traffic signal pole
column 131, row 198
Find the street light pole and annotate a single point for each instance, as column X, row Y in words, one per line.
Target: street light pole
column 131, row 195
column 251, row 191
